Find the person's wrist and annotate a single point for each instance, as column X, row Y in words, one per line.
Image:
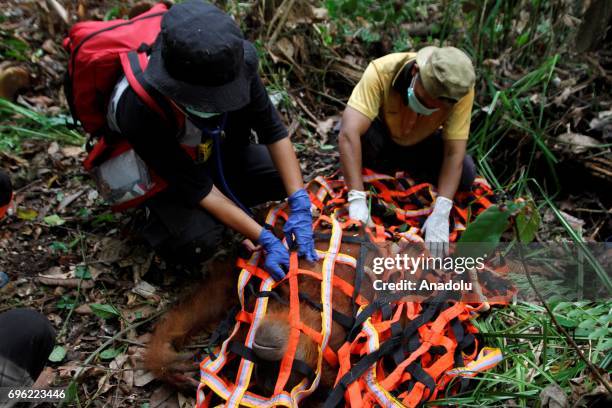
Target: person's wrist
column 442, row 206
column 266, row 237
column 354, row 195
column 257, row 233
column 299, row 200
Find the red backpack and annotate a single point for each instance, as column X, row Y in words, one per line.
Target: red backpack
column 100, row 53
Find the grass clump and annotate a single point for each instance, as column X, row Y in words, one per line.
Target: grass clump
column 536, row 355
column 20, row 123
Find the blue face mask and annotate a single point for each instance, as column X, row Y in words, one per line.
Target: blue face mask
column 414, row 102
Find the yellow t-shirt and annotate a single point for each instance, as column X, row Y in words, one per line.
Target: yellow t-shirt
column 374, row 96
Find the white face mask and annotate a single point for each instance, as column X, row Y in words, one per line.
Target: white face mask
column 414, row 102
column 202, row 115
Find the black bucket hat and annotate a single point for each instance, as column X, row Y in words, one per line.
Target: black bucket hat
column 201, row 59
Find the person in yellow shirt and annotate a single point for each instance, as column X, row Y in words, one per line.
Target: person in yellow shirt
column 411, row 112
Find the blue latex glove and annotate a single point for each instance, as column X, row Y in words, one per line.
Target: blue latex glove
column 299, row 225
column 277, row 255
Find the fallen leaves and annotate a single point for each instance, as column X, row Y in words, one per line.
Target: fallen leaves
column 553, row 397
column 54, row 220
column 104, row 311
column 579, row 143
column 27, row 214
column 58, row 354
column 67, row 283
column 603, row 123
column 146, row 290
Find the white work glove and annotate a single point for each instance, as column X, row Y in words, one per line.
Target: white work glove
column 436, row 227
column 358, row 206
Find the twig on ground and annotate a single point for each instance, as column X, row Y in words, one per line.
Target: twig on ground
column 306, row 110
column 325, row 95
column 60, row 10
column 282, row 14
column 592, row 210
column 135, row 343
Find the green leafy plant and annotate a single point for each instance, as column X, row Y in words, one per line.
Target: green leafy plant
column 13, row 48
column 58, row 354
column 104, row 311
column 484, row 234
column 66, row 302
column 20, row 123
column 82, row 272
column 369, row 20
column 111, row 352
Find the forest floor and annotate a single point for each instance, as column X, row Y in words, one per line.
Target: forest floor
column 542, row 128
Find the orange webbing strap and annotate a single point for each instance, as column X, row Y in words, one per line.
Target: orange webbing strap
column 253, row 269
column 374, row 386
column 344, row 360
column 432, row 336
column 339, row 283
column 294, row 332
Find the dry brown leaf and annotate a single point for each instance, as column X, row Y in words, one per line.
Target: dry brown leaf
column 72, row 151
column 128, row 377
column 285, row 46
column 118, row 361
column 53, row 148
column 49, row 46
column 104, row 385
column 60, row 10
column 46, row 378
column 553, row 396
column 83, row 309
column 325, row 126
column 96, row 271
column 185, row 402
column 145, row 289
column 142, row 378
column 579, row 143
column 69, row 369
column 67, row 283
column 112, row 250
column 82, row 10
column 138, row 313
column 319, row 13
column 69, row 200
column 576, row 223
column 54, row 271
column 559, row 100
column 40, row 101
column 163, row 397
column 602, row 120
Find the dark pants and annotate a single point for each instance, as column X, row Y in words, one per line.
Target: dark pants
column 189, row 235
column 26, row 338
column 422, row 161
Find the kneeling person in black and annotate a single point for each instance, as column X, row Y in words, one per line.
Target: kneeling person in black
column 201, row 63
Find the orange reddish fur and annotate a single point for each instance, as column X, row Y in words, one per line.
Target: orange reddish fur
column 202, row 309
column 209, row 303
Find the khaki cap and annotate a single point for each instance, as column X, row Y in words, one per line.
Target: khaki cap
column 445, row 72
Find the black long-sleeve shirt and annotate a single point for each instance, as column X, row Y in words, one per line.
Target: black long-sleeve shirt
column 157, row 144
